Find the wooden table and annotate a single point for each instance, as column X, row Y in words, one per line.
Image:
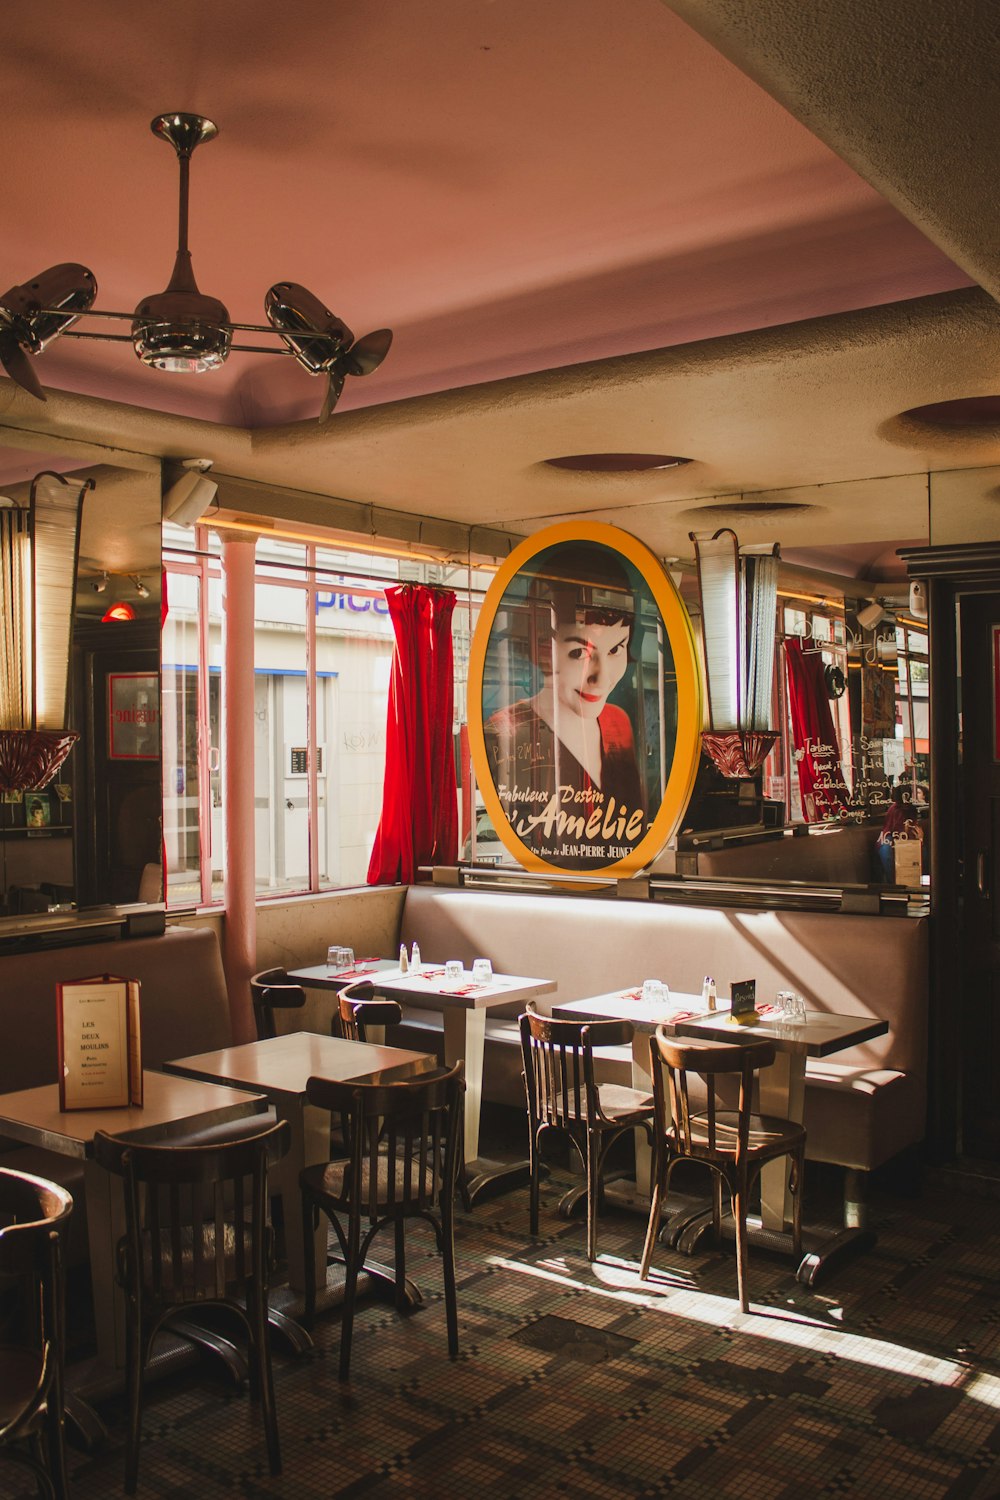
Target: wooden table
column 781, row 1093
column 464, row 1008
column 171, row 1107
column 279, row 1068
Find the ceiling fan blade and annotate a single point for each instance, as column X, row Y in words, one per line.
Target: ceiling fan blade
column 334, row 386
column 368, row 353
column 19, row 367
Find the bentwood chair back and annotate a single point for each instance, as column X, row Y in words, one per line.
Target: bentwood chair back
column 732, row 1144
column 358, row 1007
column 564, row 1096
column 403, row 1161
column 272, row 990
column 34, row 1218
column 196, row 1236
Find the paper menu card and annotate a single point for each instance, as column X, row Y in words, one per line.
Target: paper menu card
column 100, row 1043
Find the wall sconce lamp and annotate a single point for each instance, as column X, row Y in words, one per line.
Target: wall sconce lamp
column 39, row 551
column 738, row 588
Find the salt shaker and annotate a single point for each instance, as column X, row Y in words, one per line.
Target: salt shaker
column 404, row 962
column 415, row 958
column 708, row 993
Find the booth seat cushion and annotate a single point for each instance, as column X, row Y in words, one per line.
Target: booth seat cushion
column 862, row 1105
column 183, row 1005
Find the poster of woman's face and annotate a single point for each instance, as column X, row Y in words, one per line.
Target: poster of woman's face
column 579, row 699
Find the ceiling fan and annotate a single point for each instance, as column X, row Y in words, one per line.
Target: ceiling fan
column 182, row 329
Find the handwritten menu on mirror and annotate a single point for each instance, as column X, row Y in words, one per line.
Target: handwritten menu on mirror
column 100, row 1044
column 743, row 1001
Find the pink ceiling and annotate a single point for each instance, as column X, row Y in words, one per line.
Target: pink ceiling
column 510, row 186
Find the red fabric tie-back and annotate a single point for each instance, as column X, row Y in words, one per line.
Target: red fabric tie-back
column 817, row 753
column 419, row 823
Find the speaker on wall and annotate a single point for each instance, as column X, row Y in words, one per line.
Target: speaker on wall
column 189, row 497
column 918, row 599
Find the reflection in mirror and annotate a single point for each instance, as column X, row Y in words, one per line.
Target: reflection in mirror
column 847, row 781
column 92, row 836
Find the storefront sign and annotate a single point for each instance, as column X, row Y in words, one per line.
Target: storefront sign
column 585, row 703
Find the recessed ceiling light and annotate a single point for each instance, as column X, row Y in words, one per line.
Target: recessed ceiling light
column 965, row 411
column 616, row 463
column 750, row 508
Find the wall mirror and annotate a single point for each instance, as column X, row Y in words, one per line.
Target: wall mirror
column 93, row 836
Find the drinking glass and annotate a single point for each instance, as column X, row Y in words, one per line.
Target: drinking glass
column 453, row 971
column 784, row 1005
column 347, row 955
column 655, row 992
column 482, row 971
column 334, row 957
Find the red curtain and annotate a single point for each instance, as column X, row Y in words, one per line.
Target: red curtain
column 419, row 823
column 817, row 754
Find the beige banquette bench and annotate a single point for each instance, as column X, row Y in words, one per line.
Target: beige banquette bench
column 184, row 1008
column 862, row 1106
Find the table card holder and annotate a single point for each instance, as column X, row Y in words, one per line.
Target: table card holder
column 743, row 1001
column 100, row 1043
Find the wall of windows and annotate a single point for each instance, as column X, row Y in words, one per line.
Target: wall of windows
column 323, row 645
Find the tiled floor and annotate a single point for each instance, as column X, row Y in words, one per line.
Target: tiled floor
column 578, row 1380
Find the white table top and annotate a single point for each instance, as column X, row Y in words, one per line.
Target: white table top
column 428, row 985
column 170, row 1105
column 281, row 1066
column 819, row 1035
column 428, row 988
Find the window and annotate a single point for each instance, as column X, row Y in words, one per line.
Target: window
column 323, row 647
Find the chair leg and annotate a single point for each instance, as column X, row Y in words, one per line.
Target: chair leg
column 134, row 1362
column 593, row 1191
column 653, row 1228
column 740, row 1215
column 716, row 1208
column 450, row 1292
column 310, row 1219
column 798, row 1175
column 261, row 1363
column 400, row 1234
column 533, row 1170
column 55, row 1441
column 350, row 1292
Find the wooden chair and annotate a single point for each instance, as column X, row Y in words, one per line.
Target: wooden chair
column 403, row 1140
column 563, row 1095
column 733, row 1144
column 34, row 1217
column 272, row 990
column 200, row 1239
column 358, row 1007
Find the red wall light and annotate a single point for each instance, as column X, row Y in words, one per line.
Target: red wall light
column 120, row 611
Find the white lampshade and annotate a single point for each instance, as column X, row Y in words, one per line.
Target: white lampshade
column 739, row 593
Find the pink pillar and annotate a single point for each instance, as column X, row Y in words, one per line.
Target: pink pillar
column 239, row 943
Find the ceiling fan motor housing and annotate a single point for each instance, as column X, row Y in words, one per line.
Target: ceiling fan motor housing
column 183, row 331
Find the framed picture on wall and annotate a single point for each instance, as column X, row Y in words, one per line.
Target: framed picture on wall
column 37, row 810
column 134, row 716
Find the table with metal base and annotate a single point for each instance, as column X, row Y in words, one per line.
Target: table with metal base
column 781, row 1094
column 464, row 1006
column 280, row 1068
